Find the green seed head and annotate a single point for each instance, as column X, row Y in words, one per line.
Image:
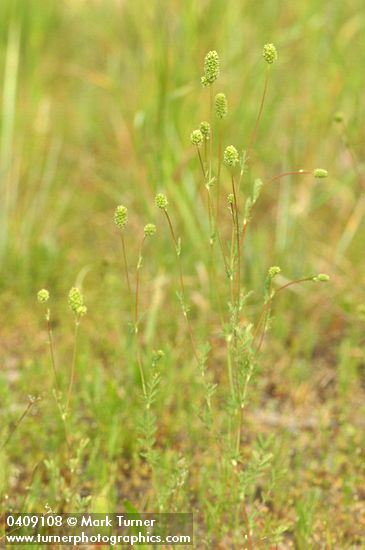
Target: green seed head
column 230, row 199
column 76, row 301
column 161, row 201
column 321, row 277
column 231, row 157
column 43, row 296
column 320, row 173
column 211, row 68
column 205, row 129
column 221, row 105
column 196, row 137
column 339, row 117
column 275, row 270
column 121, row 216
column 269, row 53
column 149, row 229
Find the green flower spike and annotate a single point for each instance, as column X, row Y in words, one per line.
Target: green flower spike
column 121, row 216
column 269, row 53
column 320, row 173
column 161, row 201
column 43, row 296
column 211, row 68
column 76, row 302
column 149, row 229
column 196, row 137
column 205, row 129
column 231, row 157
column 221, row 105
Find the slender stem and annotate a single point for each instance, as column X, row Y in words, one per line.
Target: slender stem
column 51, row 348
column 219, row 170
column 201, row 161
column 213, row 225
column 254, row 132
column 232, row 255
column 77, row 324
column 230, row 372
column 139, row 265
column 238, row 248
column 207, row 185
column 126, row 271
column 57, row 385
column 290, row 173
column 211, row 130
column 23, row 415
column 136, row 320
column 182, row 285
column 243, row 234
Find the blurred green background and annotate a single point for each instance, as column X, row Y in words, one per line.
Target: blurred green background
column 98, row 99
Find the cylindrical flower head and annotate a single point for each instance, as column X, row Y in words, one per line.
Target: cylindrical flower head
column 269, row 53
column 121, row 216
column 320, row 173
column 230, row 199
column 43, row 296
column 211, row 68
column 76, row 301
column 161, row 201
column 221, row 105
column 196, row 137
column 205, row 129
column 149, row 229
column 231, row 157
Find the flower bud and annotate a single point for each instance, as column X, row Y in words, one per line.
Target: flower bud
column 211, row 68
column 149, row 229
column 231, row 157
column 205, row 129
column 338, row 117
column 76, row 301
column 320, row 173
column 221, row 105
column 121, row 216
column 196, row 137
column 161, row 201
column 269, row 53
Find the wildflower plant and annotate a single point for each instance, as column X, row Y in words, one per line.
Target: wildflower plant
column 242, row 336
column 243, row 340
